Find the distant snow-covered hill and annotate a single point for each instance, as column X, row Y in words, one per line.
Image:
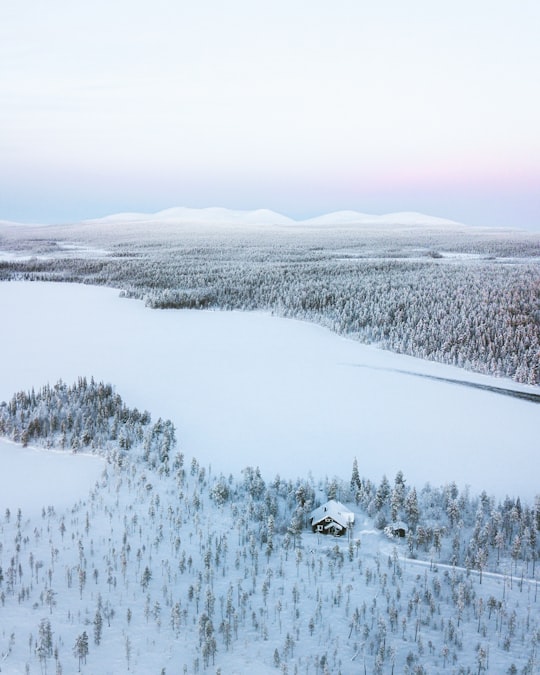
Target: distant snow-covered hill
column 409, row 218
column 207, row 216
column 223, row 216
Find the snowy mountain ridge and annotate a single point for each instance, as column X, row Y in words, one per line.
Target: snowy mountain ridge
column 258, row 217
column 218, row 215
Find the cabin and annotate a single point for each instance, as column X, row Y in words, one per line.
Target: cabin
column 331, row 518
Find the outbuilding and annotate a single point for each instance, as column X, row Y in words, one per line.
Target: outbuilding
column 397, row 529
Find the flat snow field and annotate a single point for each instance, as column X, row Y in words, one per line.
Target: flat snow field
column 291, row 397
column 32, row 478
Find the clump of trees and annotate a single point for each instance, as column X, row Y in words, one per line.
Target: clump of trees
column 454, row 527
column 86, row 415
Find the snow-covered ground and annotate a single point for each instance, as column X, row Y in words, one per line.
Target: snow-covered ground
column 161, row 577
column 290, row 397
column 33, row 478
column 64, row 250
column 151, row 558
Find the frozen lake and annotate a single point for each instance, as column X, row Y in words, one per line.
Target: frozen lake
column 32, row 478
column 288, row 396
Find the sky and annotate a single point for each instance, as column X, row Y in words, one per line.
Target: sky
column 300, row 107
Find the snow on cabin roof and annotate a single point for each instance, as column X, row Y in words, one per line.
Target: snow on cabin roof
column 335, row 510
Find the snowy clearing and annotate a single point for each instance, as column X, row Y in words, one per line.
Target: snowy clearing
column 33, row 478
column 249, row 389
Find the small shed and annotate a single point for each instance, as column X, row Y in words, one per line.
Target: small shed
column 397, row 529
column 331, row 518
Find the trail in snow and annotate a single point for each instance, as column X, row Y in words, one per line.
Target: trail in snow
column 515, row 393
column 484, row 574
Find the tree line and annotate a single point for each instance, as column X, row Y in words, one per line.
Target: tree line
column 416, row 294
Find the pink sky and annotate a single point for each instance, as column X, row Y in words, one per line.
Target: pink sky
column 302, row 109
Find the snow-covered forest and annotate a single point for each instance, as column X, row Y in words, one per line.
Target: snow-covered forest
column 166, row 567
column 462, row 296
column 170, row 565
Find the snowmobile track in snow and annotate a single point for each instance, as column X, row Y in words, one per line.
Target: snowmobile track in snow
column 525, row 395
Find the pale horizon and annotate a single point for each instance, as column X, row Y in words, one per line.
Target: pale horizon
column 303, row 110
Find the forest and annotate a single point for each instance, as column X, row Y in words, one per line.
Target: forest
column 168, row 567
column 465, row 297
column 167, row 564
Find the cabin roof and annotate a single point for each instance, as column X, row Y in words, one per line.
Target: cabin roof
column 335, row 510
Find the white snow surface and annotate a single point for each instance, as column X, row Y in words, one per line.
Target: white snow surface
column 287, row 396
column 34, row 478
column 64, row 250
